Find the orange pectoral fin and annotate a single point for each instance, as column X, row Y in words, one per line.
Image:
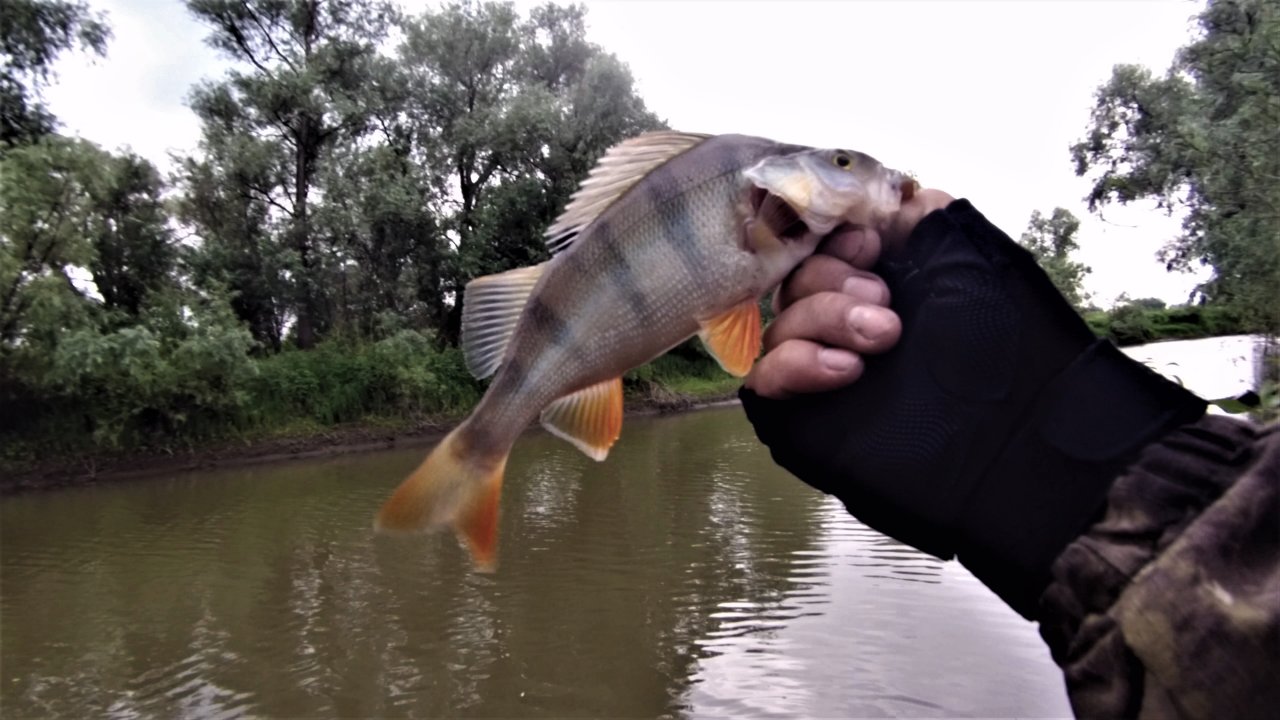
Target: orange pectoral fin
column 590, row 418
column 733, row 337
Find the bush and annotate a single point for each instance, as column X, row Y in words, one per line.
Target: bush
column 338, row 382
column 132, row 387
column 1142, row 322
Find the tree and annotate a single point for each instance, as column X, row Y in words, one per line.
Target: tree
column 1052, row 240
column 1202, row 139
column 84, row 240
column 47, row 218
column 310, row 63
column 1147, row 303
column 32, row 35
column 342, row 189
column 385, row 236
column 513, row 113
column 135, row 256
column 240, row 252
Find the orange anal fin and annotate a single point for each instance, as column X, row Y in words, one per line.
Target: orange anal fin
column 733, row 337
column 477, row 524
column 590, row 418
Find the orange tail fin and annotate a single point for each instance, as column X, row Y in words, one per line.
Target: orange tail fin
column 454, row 488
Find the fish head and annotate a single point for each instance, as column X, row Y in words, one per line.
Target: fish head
column 827, row 188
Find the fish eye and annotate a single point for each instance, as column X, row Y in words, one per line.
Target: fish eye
column 842, row 161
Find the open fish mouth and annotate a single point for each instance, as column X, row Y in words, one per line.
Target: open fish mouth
column 781, row 219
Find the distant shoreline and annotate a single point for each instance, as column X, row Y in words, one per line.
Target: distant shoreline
column 351, row 439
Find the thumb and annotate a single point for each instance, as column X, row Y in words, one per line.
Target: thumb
column 895, row 230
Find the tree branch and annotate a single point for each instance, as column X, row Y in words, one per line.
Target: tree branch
column 266, row 34
column 243, row 43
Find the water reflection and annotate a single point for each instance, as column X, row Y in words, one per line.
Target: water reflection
column 872, row 628
column 685, row 576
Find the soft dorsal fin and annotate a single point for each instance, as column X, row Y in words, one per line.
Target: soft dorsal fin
column 590, row 418
column 491, row 307
column 621, row 167
column 733, row 337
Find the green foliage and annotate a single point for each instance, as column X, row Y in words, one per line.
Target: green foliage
column 403, row 375
column 77, row 222
column 1130, row 325
column 336, row 184
column 1140, row 321
column 1202, row 139
column 47, row 220
column 1268, row 409
column 512, row 112
column 33, row 33
column 306, row 87
column 136, row 386
column 1052, row 240
column 1149, row 303
column 344, row 192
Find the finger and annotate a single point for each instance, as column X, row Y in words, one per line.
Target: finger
column 802, row 366
column 823, row 273
column 858, row 246
column 837, row 320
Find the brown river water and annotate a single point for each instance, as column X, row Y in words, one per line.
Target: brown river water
column 686, row 576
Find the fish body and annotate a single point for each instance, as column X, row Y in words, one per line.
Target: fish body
column 672, row 235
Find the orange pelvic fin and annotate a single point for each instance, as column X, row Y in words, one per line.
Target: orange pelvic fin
column 733, row 337
column 590, row 418
column 450, row 487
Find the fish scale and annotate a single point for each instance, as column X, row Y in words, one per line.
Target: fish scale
column 694, row 215
column 668, row 237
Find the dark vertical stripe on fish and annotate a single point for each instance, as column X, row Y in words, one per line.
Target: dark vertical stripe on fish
column 510, row 377
column 620, row 271
column 548, row 321
column 672, row 210
column 509, row 383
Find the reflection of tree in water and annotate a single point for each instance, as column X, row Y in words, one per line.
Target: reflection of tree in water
column 679, row 520
column 611, row 572
column 264, row 591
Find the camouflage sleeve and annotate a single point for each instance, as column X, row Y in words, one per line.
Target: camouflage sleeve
column 1169, row 606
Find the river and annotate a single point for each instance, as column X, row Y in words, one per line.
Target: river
column 687, row 576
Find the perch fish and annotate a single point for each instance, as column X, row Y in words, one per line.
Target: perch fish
column 672, row 234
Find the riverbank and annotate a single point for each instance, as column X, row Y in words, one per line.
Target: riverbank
column 315, row 442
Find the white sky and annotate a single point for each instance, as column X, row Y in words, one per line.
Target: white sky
column 981, row 99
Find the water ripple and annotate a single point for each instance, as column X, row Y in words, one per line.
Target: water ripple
column 686, row 576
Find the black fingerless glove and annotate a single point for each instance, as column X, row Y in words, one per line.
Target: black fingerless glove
column 994, row 428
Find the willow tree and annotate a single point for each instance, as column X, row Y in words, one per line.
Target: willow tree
column 1202, row 139
column 511, row 112
column 33, row 33
column 299, row 89
column 1052, row 240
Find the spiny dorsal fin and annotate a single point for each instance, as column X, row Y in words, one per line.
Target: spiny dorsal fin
column 621, row 167
column 491, row 306
column 590, row 418
column 733, row 337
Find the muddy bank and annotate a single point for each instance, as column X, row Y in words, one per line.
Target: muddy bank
column 340, row 440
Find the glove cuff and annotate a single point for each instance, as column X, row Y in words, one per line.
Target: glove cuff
column 1050, row 482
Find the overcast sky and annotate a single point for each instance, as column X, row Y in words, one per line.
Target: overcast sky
column 981, row 99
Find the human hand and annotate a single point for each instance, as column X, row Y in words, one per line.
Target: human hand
column 832, row 310
column 986, row 420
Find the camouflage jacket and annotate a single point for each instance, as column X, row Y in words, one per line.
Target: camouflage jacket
column 1169, row 606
